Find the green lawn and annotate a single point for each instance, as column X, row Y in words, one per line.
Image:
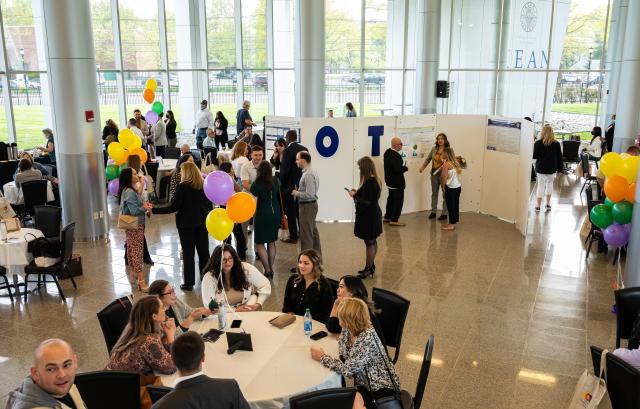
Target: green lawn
column 584, row 109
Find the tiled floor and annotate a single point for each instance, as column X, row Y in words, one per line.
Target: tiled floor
column 512, row 316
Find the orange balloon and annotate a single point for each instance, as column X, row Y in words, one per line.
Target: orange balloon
column 141, row 153
column 149, row 95
column 615, row 187
column 241, row 207
column 122, row 159
column 631, row 193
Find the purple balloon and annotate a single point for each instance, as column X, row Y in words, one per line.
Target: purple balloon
column 151, row 117
column 616, row 235
column 627, row 228
column 113, row 187
column 218, row 187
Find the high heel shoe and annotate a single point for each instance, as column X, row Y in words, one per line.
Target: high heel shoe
column 143, row 287
column 367, row 272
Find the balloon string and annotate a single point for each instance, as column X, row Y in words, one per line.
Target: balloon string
column 619, row 277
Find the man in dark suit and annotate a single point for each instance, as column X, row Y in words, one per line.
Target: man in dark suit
column 394, row 169
column 192, row 388
column 290, row 175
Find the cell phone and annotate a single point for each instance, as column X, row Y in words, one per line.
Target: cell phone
column 236, row 323
column 347, row 189
column 318, row 335
column 212, row 335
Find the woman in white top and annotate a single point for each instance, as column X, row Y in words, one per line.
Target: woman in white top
column 239, row 156
column 452, row 187
column 594, row 149
column 245, row 287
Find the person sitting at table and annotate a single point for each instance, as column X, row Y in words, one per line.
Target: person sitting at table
column 210, row 140
column 309, row 288
column 242, row 286
column 26, row 172
column 175, row 308
column 594, row 148
column 365, row 358
column 36, row 166
column 50, row 149
column 145, row 342
column 353, row 287
column 193, row 389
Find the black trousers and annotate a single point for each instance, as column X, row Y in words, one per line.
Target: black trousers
column 452, row 197
column 160, row 150
column 395, row 200
column 291, row 210
column 241, row 241
column 192, row 239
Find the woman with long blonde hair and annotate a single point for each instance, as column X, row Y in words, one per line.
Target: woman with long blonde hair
column 368, row 225
column 451, row 186
column 239, row 157
column 191, row 207
column 548, row 155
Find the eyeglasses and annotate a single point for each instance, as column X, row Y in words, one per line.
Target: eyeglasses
column 172, row 291
column 227, row 260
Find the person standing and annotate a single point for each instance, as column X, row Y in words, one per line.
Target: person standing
column 204, row 120
column 548, row 155
column 276, row 158
column 290, row 175
column 220, row 127
column 191, row 207
column 171, row 125
column 452, row 187
column 143, row 126
column 266, row 220
column 608, row 133
column 136, row 131
column 435, row 156
column 350, row 110
column 160, row 136
column 110, row 132
column 243, row 117
column 307, row 195
column 241, row 240
column 368, row 224
column 249, row 170
column 394, row 168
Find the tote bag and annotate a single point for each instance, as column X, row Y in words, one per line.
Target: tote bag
column 590, row 389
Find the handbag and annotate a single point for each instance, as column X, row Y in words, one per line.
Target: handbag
column 590, row 389
column 207, row 165
column 46, row 253
column 149, row 180
column 127, row 222
column 387, row 402
column 13, row 224
column 6, row 211
column 283, row 320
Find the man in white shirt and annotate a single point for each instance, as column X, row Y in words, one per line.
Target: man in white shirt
column 204, row 120
column 137, row 131
column 160, row 136
column 249, row 170
column 194, row 389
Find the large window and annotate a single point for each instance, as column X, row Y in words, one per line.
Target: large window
column 139, row 34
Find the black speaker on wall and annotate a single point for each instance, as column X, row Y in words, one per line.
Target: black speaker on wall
column 442, row 89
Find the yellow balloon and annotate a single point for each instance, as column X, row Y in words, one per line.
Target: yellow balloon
column 129, row 140
column 116, row 151
column 630, row 168
column 612, row 164
column 218, row 223
column 151, row 84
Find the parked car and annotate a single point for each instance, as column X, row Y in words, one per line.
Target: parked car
column 374, row 78
column 260, row 80
column 351, row 77
column 226, row 74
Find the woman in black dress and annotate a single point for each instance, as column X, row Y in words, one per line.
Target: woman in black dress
column 221, row 124
column 368, row 224
column 170, row 122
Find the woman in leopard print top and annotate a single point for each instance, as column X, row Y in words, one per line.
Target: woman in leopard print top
column 365, row 358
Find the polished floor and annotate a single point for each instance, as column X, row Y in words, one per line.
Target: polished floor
column 512, row 316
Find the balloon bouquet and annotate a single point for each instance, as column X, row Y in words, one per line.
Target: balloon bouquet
column 218, row 187
column 614, row 216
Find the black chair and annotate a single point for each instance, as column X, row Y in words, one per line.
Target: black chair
column 414, row 402
column 59, row 269
column 48, row 219
column 197, row 157
column 109, row 389
column 586, row 170
column 113, row 318
column 7, row 285
column 157, row 392
column 51, row 170
column 595, row 234
column 334, row 398
column 334, row 285
column 214, row 154
column 152, row 171
column 171, row 152
column 570, row 155
column 34, row 193
column 623, row 380
column 628, row 308
column 393, row 313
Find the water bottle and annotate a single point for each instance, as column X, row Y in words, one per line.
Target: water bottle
column 222, row 315
column 308, row 322
column 3, row 230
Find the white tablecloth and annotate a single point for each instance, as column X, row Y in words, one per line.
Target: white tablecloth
column 14, row 194
column 167, row 165
column 279, row 366
column 13, row 252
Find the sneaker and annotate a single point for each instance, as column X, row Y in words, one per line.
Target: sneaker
column 385, row 220
column 547, row 208
column 432, row 216
column 537, row 210
column 443, row 217
column 399, row 224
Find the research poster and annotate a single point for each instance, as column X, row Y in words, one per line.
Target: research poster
column 503, row 136
column 276, row 127
column 418, row 134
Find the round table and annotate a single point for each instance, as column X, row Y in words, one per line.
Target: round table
column 14, row 193
column 279, row 366
column 13, row 252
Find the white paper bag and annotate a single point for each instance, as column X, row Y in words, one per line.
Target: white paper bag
column 590, row 389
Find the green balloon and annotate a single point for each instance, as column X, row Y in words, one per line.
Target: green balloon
column 111, row 172
column 601, row 216
column 608, row 203
column 121, row 168
column 157, row 107
column 622, row 212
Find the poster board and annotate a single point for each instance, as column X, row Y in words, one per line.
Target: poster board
column 276, row 127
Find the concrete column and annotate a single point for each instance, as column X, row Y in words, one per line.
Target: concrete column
column 309, row 58
column 632, row 273
column 502, row 56
column 70, row 62
column 427, row 56
column 615, row 47
column 628, row 101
